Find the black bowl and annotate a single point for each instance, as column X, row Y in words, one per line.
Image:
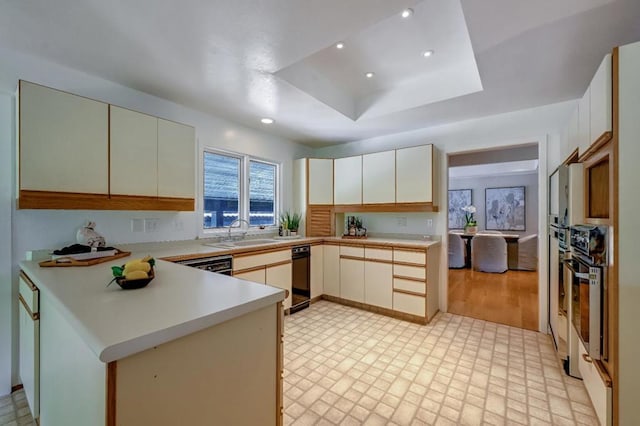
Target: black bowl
column 126, row 284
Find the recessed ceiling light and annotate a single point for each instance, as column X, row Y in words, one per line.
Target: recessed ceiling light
column 267, row 120
column 406, row 13
column 340, row 45
column 369, row 74
column 428, row 53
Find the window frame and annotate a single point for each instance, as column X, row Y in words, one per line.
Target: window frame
column 243, row 205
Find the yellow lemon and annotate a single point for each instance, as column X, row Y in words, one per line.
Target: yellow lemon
column 139, row 266
column 136, row 275
column 131, row 262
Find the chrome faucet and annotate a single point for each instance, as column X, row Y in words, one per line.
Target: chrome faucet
column 236, row 221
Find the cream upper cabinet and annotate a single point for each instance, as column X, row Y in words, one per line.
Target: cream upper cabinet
column 348, row 180
column 600, row 103
column 176, row 160
column 320, row 181
column 584, row 122
column 379, row 178
column 331, row 272
column 280, row 276
column 572, row 134
column 317, row 270
column 133, row 153
column 63, row 141
column 414, row 174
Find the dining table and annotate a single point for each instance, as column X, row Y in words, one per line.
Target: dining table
column 512, row 246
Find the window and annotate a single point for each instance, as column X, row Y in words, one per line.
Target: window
column 225, row 198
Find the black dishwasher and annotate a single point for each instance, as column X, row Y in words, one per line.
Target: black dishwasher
column 300, row 285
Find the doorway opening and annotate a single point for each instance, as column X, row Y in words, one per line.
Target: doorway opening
column 492, row 217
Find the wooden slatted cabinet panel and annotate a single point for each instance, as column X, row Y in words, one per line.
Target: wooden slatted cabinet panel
column 63, row 144
column 176, row 160
column 133, row 153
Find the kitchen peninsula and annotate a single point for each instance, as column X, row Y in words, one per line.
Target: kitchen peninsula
column 190, row 347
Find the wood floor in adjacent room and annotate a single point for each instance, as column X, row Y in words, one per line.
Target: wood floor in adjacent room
column 510, row 298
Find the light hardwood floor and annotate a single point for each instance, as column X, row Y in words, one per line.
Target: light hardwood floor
column 510, row 298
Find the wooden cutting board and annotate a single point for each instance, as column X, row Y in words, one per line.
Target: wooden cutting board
column 68, row 261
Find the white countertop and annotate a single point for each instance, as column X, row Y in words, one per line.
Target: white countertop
column 116, row 323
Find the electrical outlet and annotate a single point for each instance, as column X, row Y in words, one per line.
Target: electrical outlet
column 178, row 225
column 151, row 225
column 402, row 221
column 137, row 225
column 429, row 223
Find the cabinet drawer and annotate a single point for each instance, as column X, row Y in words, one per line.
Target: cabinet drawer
column 408, row 285
column 419, row 257
column 408, row 303
column 352, row 251
column 251, row 261
column 598, row 391
column 418, row 272
column 378, row 254
column 29, row 293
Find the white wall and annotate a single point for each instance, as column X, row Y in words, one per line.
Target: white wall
column 37, row 229
column 479, row 184
column 509, row 129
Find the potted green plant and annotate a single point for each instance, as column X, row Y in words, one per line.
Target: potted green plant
column 294, row 223
column 471, row 226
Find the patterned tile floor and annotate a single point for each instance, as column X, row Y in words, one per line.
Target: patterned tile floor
column 350, row 367
column 14, row 410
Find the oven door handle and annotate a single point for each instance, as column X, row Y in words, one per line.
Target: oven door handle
column 581, row 275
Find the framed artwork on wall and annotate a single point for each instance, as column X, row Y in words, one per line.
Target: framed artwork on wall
column 505, row 209
column 458, row 198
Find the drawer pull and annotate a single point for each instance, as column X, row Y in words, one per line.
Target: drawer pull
column 587, row 358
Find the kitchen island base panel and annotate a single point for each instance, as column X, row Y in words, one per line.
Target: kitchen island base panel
column 209, row 376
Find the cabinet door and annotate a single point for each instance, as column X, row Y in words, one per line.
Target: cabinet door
column 573, row 134
column 414, row 174
column 320, row 185
column 600, row 104
column 280, row 276
column 133, row 153
column 378, row 284
column 584, row 123
column 554, row 291
column 379, row 178
column 176, row 160
column 352, row 279
column 29, row 359
column 317, row 269
column 63, row 142
column 331, row 273
column 348, row 180
column 256, row 275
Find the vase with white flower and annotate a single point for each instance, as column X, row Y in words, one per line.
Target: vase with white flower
column 471, row 226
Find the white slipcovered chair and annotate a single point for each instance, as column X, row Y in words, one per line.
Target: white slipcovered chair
column 528, row 253
column 456, row 251
column 489, row 253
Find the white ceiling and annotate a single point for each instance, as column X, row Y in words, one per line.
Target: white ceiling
column 246, row 59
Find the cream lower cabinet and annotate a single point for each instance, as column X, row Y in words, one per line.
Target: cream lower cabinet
column 63, row 141
column 272, row 268
column 331, row 270
column 317, row 271
column 352, row 273
column 29, row 336
column 258, row 275
column 280, row 276
column 378, row 277
column 599, row 390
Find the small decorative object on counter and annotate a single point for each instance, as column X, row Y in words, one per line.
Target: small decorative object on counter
column 136, row 273
column 471, row 226
column 88, row 236
column 353, row 228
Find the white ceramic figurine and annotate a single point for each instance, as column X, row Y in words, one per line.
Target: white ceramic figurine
column 88, row 236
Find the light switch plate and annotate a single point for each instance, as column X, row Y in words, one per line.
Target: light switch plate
column 151, row 225
column 137, row 225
